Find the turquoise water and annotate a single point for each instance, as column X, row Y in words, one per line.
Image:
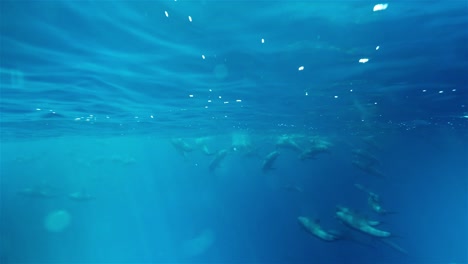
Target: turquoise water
column 199, row 131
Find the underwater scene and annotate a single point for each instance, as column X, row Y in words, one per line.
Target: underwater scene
column 233, row 131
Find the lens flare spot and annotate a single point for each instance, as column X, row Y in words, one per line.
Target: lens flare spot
column 57, row 221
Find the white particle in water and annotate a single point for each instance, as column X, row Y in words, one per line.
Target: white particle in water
column 380, row 7
column 363, row 60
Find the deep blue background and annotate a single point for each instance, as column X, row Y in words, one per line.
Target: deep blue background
column 91, row 93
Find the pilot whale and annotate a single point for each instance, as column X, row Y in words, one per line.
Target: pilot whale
column 217, row 159
column 81, row 196
column 359, row 223
column 313, row 227
column 41, row 191
column 181, row 146
column 373, row 200
column 269, row 160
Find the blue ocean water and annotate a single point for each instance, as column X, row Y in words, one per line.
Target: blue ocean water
column 200, row 131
